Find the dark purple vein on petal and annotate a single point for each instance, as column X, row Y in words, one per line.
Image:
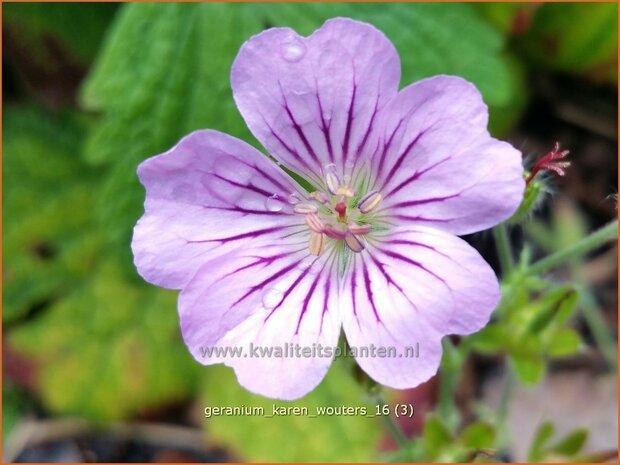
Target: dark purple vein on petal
column 250, row 234
column 416, row 175
column 303, row 229
column 307, row 300
column 327, row 264
column 309, row 295
column 289, row 149
column 245, row 211
column 251, row 187
column 267, row 176
column 353, row 288
column 407, row 116
column 388, row 277
column 290, row 289
column 285, row 295
column 422, row 218
column 325, row 128
column 362, row 144
column 401, row 159
column 386, row 147
column 414, row 244
column 326, row 289
column 301, row 134
column 263, row 283
column 347, row 133
column 415, row 263
column 297, row 127
column 413, row 203
column 265, row 261
column 369, row 292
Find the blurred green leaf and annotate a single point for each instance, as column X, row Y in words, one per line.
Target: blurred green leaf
column 541, row 438
column 529, row 368
column 562, row 450
column 570, row 225
column 436, row 436
column 575, row 37
column 505, row 16
column 491, row 339
column 478, row 435
column 571, row 444
column 46, row 29
column 109, row 350
column 563, row 342
column 293, row 438
column 556, row 306
column 529, row 325
column 47, row 202
column 15, row 404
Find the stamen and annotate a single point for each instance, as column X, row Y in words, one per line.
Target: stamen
column 314, row 222
column 369, row 202
column 317, row 243
column 320, row 197
column 326, row 216
column 332, row 182
column 346, row 191
column 359, row 229
column 353, row 243
column 335, row 232
column 305, row 208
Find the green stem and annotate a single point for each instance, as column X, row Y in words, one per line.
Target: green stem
column 502, row 409
column 392, row 427
column 504, row 250
column 591, row 242
column 448, row 384
column 599, row 329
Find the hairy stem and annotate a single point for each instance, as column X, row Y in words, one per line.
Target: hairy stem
column 504, row 250
column 591, row 242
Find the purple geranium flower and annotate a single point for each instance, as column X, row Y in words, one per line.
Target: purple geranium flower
column 373, row 249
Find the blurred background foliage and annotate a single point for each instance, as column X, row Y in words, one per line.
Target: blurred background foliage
column 90, row 90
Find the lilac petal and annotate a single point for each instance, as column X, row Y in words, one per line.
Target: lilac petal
column 439, row 166
column 412, row 287
column 208, row 194
column 314, row 101
column 267, row 296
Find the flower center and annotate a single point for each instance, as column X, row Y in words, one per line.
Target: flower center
column 339, row 214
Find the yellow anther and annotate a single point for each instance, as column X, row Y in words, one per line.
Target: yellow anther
column 353, row 243
column 320, row 197
column 314, row 222
column 369, row 202
column 346, row 190
column 332, row 182
column 359, row 229
column 317, row 243
column 305, row 208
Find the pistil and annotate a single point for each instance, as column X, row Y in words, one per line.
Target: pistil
column 341, row 209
